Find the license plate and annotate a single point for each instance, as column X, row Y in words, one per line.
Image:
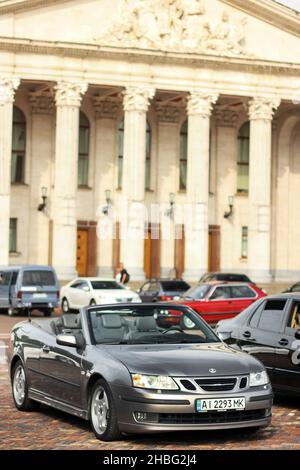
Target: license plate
column 39, row 295
column 220, row 404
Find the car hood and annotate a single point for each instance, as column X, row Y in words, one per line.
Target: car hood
column 183, row 360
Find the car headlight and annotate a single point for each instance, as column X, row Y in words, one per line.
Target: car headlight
column 157, row 382
column 259, row 378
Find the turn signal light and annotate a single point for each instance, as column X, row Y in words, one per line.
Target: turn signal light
column 19, row 295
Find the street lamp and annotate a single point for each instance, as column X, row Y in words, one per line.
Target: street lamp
column 229, row 213
column 108, row 200
column 42, row 205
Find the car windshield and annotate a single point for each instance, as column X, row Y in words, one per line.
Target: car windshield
column 38, row 278
column 198, row 292
column 148, row 325
column 174, row 286
column 101, row 285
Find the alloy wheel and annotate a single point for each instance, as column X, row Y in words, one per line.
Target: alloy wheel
column 19, row 385
column 100, row 410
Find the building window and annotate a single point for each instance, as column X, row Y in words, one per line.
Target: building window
column 83, row 156
column 244, row 242
column 12, row 235
column 18, row 146
column 183, row 156
column 148, row 158
column 243, row 159
column 121, row 153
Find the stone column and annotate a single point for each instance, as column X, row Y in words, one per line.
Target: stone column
column 68, row 99
column 261, row 111
column 106, row 111
column 7, row 93
column 199, row 108
column 42, row 129
column 136, row 103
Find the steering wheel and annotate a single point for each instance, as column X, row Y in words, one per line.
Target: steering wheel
column 173, row 329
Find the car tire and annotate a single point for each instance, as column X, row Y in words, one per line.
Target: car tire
column 20, row 389
column 65, row 305
column 47, row 312
column 92, row 303
column 103, row 413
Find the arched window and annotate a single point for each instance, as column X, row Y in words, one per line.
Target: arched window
column 83, row 156
column 121, row 153
column 243, row 159
column 183, row 156
column 18, row 146
column 148, row 157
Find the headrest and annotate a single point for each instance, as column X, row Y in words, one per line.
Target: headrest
column 71, row 321
column 111, row 321
column 146, row 324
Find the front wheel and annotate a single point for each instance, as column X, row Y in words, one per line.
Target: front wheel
column 102, row 412
column 65, row 305
column 20, row 389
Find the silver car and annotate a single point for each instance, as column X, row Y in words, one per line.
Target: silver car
column 138, row 368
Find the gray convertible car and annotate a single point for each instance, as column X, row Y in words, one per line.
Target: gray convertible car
column 138, row 368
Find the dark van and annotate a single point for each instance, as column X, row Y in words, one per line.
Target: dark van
column 24, row 288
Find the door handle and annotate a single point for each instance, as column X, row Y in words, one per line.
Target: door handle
column 46, row 348
column 247, row 334
column 283, row 342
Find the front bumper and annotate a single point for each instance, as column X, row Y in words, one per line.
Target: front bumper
column 176, row 411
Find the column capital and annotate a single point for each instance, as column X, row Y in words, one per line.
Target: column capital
column 137, row 98
column 42, row 102
column 199, row 103
column 8, row 87
column 70, row 93
column 263, row 108
column 106, row 108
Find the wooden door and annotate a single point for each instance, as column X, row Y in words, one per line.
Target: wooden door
column 82, row 252
column 152, row 253
column 179, row 252
column 214, row 248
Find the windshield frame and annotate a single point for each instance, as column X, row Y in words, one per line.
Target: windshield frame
column 203, row 326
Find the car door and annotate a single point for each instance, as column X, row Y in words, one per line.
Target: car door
column 242, row 296
column 4, row 289
column 219, row 305
column 60, row 367
column 287, row 368
column 78, row 296
column 261, row 335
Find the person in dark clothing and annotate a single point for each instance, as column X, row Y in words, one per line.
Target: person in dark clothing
column 123, row 275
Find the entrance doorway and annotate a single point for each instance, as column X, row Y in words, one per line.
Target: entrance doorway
column 214, row 248
column 152, row 252
column 86, row 248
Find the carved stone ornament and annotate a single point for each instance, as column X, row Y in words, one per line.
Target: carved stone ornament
column 201, row 103
column 70, row 93
column 137, row 98
column 106, row 107
column 8, row 87
column 42, row 102
column 226, row 117
column 263, row 108
column 169, row 113
column 175, row 25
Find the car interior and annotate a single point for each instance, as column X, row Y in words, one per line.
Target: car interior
column 295, row 317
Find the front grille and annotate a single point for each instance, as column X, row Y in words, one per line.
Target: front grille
column 217, row 385
column 211, row 417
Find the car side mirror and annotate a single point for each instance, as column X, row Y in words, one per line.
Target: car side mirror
column 66, row 340
column 224, row 336
column 297, row 334
column 86, row 289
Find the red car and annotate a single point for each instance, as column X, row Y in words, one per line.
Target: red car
column 216, row 301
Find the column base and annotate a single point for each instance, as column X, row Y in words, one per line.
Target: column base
column 105, row 271
column 65, row 273
column 193, row 275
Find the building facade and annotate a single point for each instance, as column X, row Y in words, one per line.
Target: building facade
column 171, row 104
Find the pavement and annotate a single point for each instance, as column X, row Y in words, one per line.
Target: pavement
column 51, row 429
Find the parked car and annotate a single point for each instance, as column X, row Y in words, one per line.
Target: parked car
column 225, row 277
column 293, row 288
column 85, row 291
column 215, row 301
column 24, row 288
column 121, row 368
column 270, row 330
column 163, row 289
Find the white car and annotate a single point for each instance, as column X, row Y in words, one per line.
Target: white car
column 85, row 291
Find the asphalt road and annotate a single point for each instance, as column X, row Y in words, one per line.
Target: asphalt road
column 52, row 429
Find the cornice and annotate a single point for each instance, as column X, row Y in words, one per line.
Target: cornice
column 11, row 6
column 270, row 11
column 68, row 49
